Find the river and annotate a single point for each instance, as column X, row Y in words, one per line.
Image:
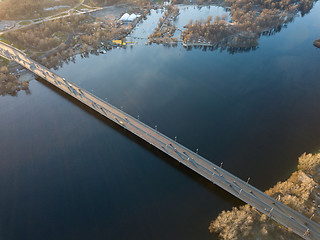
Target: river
column 68, row 173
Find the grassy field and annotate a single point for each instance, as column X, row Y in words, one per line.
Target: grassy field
column 25, row 23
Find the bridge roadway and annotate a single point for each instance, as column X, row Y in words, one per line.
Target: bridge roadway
column 301, row 225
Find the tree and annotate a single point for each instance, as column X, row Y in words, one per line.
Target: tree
column 4, row 69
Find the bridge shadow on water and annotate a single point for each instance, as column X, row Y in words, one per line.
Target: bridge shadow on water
column 201, row 181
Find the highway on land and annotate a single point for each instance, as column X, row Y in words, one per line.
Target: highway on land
column 277, row 211
column 49, row 18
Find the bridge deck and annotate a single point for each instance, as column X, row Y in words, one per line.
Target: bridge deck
column 282, row 214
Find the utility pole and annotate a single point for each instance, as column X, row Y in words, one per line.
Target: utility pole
column 240, row 191
column 248, row 180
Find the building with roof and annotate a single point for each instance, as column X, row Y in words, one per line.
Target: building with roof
column 132, row 17
column 129, row 18
column 124, row 17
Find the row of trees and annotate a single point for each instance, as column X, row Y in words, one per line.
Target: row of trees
column 17, row 9
column 298, row 192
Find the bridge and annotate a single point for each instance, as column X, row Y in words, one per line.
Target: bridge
column 298, row 223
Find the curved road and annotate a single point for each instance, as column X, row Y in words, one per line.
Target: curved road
column 301, row 225
column 49, row 18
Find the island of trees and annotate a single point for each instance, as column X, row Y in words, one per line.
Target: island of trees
column 166, row 29
column 317, row 43
column 300, row 192
column 248, row 21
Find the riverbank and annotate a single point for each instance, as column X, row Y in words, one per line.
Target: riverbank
column 300, row 192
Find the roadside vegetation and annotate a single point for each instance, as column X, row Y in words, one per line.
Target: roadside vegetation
column 166, row 29
column 30, row 9
column 300, row 192
column 248, row 21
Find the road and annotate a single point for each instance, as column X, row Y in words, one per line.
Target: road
column 277, row 211
column 49, row 18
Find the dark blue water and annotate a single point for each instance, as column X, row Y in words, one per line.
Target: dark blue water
column 67, row 173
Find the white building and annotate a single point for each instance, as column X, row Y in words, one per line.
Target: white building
column 129, row 18
column 124, row 17
column 132, row 17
